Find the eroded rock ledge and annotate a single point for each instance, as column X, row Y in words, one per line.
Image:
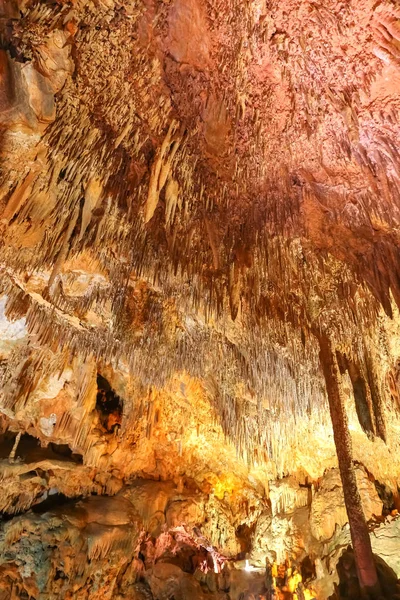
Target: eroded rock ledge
column 156, row 540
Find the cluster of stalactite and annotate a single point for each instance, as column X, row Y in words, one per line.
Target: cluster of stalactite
column 263, row 372
column 87, row 156
column 121, row 175
column 260, row 383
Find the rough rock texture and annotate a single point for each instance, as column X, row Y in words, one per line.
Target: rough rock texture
column 191, row 195
column 328, row 510
column 385, row 544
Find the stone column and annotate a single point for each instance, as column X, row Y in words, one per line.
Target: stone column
column 366, row 569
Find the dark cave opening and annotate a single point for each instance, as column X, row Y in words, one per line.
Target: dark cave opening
column 360, row 393
column 54, row 501
column 244, row 535
column 307, row 569
column 29, row 449
column 362, row 408
column 387, row 497
column 186, row 558
column 109, row 405
column 349, row 586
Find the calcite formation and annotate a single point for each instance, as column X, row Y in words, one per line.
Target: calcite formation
column 199, row 274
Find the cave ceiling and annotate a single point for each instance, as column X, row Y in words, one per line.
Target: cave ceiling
column 192, row 194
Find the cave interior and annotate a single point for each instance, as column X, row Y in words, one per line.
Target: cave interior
column 199, row 300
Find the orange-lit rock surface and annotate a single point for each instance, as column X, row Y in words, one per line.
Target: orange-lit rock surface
column 191, row 195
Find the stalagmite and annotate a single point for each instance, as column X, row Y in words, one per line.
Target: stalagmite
column 11, row 457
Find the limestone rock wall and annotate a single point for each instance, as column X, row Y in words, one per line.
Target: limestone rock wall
column 154, row 540
column 328, row 511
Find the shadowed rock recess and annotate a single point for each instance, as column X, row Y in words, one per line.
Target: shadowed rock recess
column 199, row 299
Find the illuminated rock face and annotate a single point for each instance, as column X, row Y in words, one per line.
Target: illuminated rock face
column 192, row 197
column 328, row 511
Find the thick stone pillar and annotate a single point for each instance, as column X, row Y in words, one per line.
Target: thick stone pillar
column 366, row 569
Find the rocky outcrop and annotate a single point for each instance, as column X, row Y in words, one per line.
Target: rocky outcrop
column 328, row 511
column 384, row 544
column 140, row 544
column 280, row 536
column 105, row 546
column 69, row 549
column 169, row 581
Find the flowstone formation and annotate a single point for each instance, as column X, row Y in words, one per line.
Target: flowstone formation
column 200, row 292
